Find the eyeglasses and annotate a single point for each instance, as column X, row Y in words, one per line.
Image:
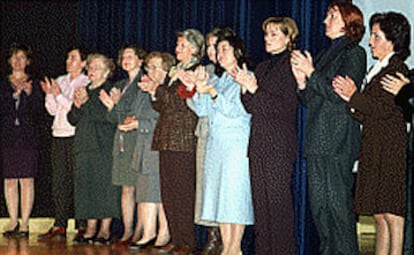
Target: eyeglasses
column 94, row 68
column 151, row 68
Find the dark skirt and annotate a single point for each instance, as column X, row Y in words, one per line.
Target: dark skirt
column 19, row 163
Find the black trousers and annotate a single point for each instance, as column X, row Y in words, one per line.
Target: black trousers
column 62, row 180
column 177, row 176
column 330, row 187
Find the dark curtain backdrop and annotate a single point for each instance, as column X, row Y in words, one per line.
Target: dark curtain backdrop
column 49, row 28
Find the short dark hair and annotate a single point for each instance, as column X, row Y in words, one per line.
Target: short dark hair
column 396, row 29
column 353, row 19
column 240, row 52
column 83, row 51
column 140, row 52
column 168, row 60
column 15, row 47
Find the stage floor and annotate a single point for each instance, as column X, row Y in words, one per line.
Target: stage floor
column 30, row 246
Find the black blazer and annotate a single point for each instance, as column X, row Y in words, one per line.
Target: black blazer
column 330, row 130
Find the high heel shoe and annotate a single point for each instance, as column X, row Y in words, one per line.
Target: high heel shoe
column 126, row 242
column 166, row 248
column 147, row 244
column 13, row 232
column 81, row 239
column 102, row 241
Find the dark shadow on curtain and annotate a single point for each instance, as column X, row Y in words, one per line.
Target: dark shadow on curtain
column 107, row 25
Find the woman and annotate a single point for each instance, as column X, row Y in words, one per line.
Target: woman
column 58, row 99
column 381, row 179
column 332, row 136
column 20, row 112
column 213, row 235
column 145, row 161
column 119, row 103
column 95, row 195
column 270, row 96
column 175, row 140
column 227, row 195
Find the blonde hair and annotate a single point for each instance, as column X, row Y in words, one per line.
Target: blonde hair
column 287, row 26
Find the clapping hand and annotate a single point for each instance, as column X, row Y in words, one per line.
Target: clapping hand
column 247, row 81
column 80, row 96
column 148, row 85
column 344, row 87
column 393, row 84
column 188, row 78
column 106, row 100
column 130, row 123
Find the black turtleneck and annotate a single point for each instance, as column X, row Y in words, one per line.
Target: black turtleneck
column 337, row 41
column 275, row 58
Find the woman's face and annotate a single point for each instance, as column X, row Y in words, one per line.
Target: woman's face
column 225, row 55
column 74, row 63
column 334, row 24
column 275, row 40
column 19, row 61
column 184, row 51
column 211, row 49
column 154, row 69
column 130, row 61
column 380, row 46
column 97, row 72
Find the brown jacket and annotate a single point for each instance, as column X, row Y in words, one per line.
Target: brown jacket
column 381, row 174
column 176, row 124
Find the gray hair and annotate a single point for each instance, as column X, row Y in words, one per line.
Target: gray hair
column 196, row 39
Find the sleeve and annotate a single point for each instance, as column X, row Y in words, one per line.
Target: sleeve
column 64, row 101
column 405, row 100
column 375, row 105
column 159, row 100
column 273, row 98
column 305, row 96
column 51, row 104
column 202, row 104
column 352, row 63
column 228, row 102
column 37, row 113
column 74, row 115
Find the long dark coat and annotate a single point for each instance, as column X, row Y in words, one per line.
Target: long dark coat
column 381, row 182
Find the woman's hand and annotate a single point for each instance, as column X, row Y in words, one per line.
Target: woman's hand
column 106, row 100
column 300, row 76
column 393, row 84
column 27, row 87
column 344, row 87
column 201, row 79
column 248, row 82
column 148, row 85
column 188, row 78
column 130, row 123
column 115, row 95
column 302, row 62
column 80, row 96
column 46, row 85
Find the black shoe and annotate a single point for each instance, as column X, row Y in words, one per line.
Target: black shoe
column 80, row 239
column 24, row 234
column 102, row 241
column 147, row 244
column 12, row 233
